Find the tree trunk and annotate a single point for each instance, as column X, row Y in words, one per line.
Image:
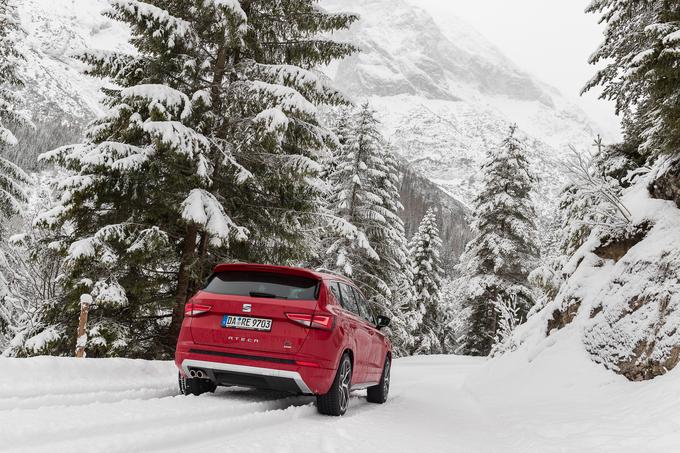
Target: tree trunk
column 218, row 77
column 216, row 89
column 183, row 282
column 202, row 254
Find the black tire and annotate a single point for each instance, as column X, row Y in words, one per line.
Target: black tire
column 336, row 401
column 378, row 393
column 189, row 386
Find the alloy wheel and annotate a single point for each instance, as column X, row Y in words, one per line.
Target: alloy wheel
column 345, row 381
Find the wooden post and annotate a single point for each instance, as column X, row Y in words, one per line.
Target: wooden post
column 85, row 302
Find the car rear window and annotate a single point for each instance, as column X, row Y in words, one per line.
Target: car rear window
column 263, row 284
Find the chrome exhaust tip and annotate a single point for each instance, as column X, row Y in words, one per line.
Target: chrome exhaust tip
column 200, row 374
column 192, row 373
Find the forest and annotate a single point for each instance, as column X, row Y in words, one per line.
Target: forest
column 223, row 141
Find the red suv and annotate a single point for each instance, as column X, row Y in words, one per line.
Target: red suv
column 286, row 329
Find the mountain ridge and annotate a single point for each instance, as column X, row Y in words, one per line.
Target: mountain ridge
column 442, row 103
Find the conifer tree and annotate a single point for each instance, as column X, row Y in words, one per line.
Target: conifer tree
column 12, row 178
column 351, row 198
column 365, row 193
column 424, row 251
column 209, row 152
column 642, row 53
column 498, row 260
column 392, row 273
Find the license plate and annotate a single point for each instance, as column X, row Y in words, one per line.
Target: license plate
column 243, row 322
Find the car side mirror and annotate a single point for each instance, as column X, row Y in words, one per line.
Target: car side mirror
column 382, row 321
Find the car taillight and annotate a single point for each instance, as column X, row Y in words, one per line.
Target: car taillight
column 192, row 309
column 314, row 321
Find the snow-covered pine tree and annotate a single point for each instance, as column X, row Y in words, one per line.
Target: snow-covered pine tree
column 351, row 196
column 339, row 118
column 364, row 192
column 642, row 53
column 209, row 152
column 424, row 252
column 12, row 178
column 498, row 260
column 395, row 300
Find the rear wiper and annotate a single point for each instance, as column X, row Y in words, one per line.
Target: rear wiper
column 266, row 295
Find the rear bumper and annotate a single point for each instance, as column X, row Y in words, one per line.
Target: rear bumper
column 250, row 376
column 233, row 367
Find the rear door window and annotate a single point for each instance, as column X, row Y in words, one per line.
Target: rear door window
column 335, row 289
column 263, row 284
column 363, row 306
column 348, row 301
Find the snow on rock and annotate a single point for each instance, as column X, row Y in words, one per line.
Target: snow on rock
column 621, row 299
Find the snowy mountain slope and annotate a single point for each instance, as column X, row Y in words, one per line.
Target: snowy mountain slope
column 445, row 96
column 60, row 98
column 56, row 31
column 418, row 194
column 437, row 404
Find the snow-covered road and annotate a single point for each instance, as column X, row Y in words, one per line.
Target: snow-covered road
column 438, row 404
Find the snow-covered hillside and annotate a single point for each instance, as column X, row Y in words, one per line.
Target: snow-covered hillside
column 446, row 95
column 58, row 96
column 555, row 401
column 620, row 295
column 58, row 30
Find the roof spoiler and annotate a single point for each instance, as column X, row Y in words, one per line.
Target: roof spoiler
column 301, row 272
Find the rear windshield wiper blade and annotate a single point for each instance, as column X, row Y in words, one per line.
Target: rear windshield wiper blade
column 266, row 295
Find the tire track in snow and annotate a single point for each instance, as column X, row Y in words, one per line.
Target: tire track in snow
column 77, row 387
column 85, row 398
column 170, row 430
column 48, row 427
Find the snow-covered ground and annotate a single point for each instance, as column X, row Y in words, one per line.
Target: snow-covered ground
column 555, row 401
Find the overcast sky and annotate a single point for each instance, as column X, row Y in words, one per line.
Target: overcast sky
column 551, row 39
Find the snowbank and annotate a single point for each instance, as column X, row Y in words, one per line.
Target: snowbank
column 621, row 297
column 50, row 378
column 555, row 395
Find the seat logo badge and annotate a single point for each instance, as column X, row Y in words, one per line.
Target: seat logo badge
column 247, row 308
